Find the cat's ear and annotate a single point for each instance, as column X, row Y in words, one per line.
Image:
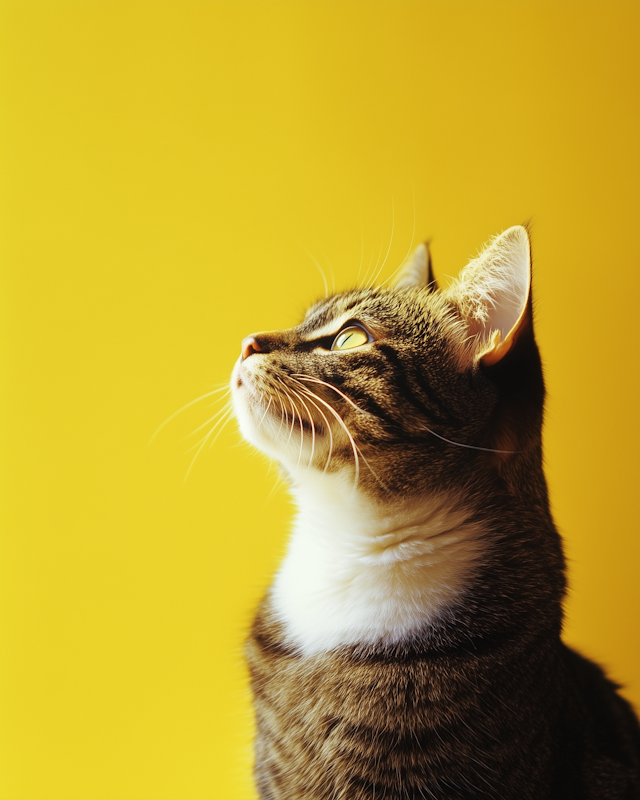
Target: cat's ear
column 493, row 294
column 417, row 272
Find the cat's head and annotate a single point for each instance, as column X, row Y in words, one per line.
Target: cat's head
column 402, row 388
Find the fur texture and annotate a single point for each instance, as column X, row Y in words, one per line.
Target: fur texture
column 361, row 575
column 410, row 644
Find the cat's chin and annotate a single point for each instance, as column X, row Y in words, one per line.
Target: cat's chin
column 292, row 441
column 251, row 415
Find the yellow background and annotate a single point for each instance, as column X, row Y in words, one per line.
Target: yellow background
column 166, row 169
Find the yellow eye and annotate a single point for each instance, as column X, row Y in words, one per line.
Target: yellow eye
column 353, row 336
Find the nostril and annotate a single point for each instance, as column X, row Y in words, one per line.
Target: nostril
column 250, row 346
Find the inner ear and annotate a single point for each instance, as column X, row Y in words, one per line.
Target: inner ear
column 493, row 294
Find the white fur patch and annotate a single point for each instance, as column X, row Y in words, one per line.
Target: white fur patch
column 358, row 574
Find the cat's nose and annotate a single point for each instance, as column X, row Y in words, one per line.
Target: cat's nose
column 250, row 345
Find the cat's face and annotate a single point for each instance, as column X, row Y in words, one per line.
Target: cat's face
column 371, row 385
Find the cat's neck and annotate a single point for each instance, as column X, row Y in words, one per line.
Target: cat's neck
column 363, row 572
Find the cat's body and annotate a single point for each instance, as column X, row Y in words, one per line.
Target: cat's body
column 410, row 644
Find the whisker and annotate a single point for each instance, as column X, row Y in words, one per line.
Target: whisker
column 335, row 389
column 371, row 470
column 265, row 413
column 366, row 282
column 293, row 418
column 282, row 415
column 292, row 424
column 313, row 427
column 320, row 270
column 444, row 439
column 361, row 250
column 204, row 441
column 190, row 403
column 329, row 431
column 470, row 446
column 341, row 422
column 413, row 236
column 393, row 225
column 204, row 424
column 301, row 439
column 228, row 410
column 333, row 273
column 353, row 443
column 220, row 429
column 292, row 410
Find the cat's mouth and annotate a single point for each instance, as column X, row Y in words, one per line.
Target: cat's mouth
column 288, row 417
column 280, row 409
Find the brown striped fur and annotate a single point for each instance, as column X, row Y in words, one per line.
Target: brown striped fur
column 482, row 699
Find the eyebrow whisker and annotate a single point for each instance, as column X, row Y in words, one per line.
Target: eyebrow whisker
column 393, row 224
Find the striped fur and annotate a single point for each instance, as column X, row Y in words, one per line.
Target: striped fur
column 410, row 644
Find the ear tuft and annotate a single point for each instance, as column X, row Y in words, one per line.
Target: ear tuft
column 416, row 272
column 492, row 293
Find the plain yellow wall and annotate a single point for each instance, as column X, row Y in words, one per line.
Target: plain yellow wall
column 166, row 169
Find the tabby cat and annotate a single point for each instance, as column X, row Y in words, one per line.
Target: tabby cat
column 410, row 646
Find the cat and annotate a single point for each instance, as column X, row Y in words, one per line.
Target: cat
column 410, row 645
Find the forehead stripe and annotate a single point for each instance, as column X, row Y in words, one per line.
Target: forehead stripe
column 328, row 329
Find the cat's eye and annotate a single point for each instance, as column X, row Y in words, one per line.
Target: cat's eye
column 352, row 336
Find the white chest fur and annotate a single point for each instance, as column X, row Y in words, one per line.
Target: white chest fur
column 360, row 573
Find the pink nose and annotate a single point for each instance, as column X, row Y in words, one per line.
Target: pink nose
column 250, row 346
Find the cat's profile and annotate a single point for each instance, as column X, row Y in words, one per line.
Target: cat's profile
column 410, row 646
